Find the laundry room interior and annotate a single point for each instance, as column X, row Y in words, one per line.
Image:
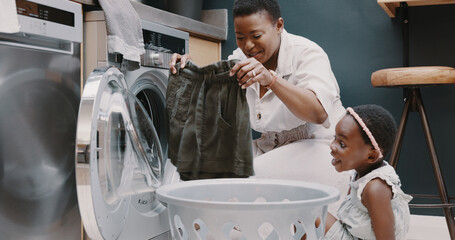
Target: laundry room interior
column 215, row 119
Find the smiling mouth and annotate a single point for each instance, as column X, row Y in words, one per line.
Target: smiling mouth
column 254, row 54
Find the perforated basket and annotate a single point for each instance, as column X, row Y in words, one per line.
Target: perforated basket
column 246, row 209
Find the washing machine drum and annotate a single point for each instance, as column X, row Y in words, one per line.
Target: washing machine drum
column 119, row 162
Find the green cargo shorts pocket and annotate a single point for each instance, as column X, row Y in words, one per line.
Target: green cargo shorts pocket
column 181, row 103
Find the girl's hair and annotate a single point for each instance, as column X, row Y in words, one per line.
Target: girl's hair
column 380, row 123
column 248, row 7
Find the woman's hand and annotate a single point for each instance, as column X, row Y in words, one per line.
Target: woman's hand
column 178, row 58
column 250, row 71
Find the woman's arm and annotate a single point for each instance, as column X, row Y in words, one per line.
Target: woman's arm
column 301, row 102
column 376, row 197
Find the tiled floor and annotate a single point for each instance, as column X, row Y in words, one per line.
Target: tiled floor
column 428, row 227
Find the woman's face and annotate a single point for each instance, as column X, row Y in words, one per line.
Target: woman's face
column 258, row 36
column 349, row 150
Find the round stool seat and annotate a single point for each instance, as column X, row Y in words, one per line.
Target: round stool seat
column 409, row 76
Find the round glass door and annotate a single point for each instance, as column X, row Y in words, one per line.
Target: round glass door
column 119, row 159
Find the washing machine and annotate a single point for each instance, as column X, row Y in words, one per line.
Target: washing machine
column 121, row 142
column 39, row 101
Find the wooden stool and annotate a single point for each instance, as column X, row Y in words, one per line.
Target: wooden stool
column 411, row 79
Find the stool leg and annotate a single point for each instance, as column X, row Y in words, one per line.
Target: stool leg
column 401, row 129
column 436, row 168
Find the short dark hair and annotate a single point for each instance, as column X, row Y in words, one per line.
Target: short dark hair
column 248, row 7
column 380, row 123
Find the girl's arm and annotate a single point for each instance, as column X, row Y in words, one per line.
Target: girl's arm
column 376, row 197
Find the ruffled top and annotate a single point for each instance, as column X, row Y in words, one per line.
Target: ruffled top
column 354, row 215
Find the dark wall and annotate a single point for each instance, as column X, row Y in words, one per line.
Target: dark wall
column 359, row 39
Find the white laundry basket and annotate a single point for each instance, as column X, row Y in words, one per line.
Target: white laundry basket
column 246, row 209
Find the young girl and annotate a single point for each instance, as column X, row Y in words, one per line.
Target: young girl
column 375, row 207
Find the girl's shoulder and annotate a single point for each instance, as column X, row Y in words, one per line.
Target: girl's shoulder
column 386, row 174
column 377, row 188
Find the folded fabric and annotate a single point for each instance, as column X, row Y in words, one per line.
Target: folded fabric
column 124, row 30
column 271, row 140
column 208, row 123
column 9, row 22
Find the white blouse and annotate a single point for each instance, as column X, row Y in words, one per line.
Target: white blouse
column 304, row 64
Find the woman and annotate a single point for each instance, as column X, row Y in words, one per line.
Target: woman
column 292, row 94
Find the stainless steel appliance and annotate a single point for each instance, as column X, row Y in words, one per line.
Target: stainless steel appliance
column 121, row 135
column 39, row 100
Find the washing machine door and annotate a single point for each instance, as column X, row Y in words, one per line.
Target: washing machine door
column 119, row 162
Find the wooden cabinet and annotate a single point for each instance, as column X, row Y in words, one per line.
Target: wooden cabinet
column 204, row 52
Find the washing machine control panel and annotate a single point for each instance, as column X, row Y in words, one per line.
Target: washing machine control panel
column 55, row 19
column 160, row 43
column 154, row 58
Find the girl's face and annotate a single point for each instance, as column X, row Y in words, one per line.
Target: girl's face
column 258, row 37
column 349, row 151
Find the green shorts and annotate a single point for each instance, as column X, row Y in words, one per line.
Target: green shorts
column 208, row 123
